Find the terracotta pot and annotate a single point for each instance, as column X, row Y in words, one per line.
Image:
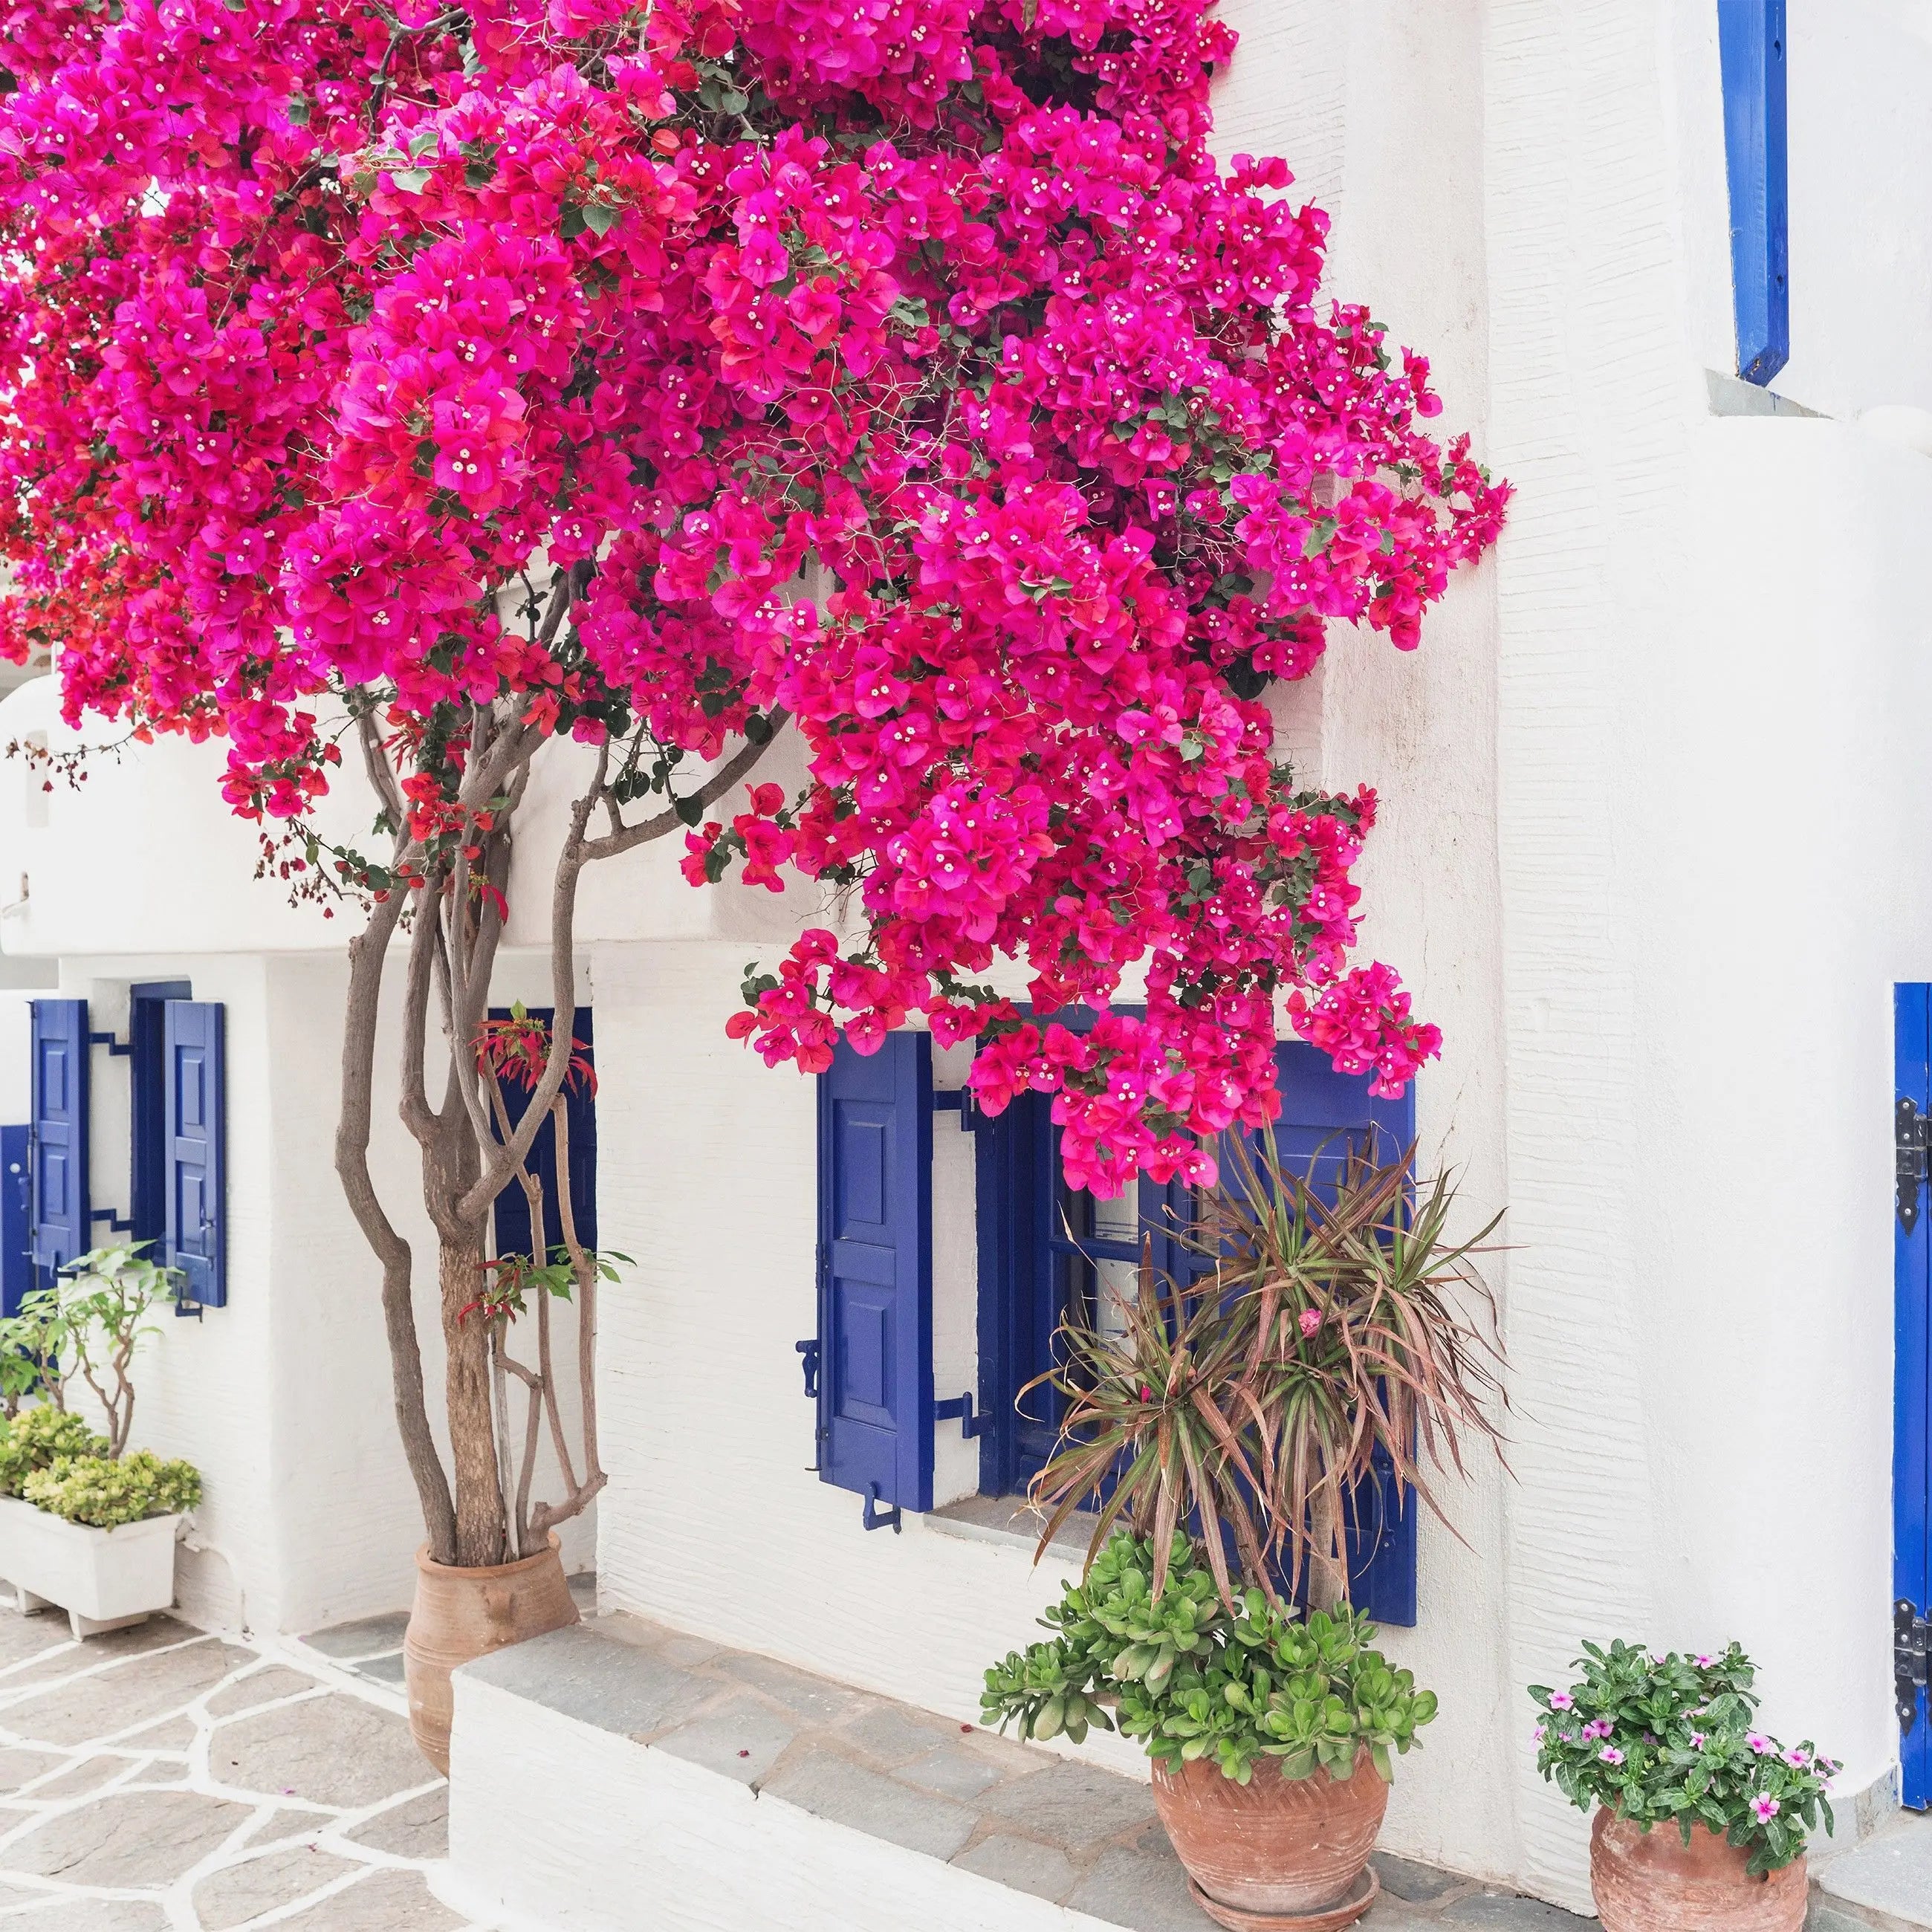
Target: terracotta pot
column 460, row 1615
column 1277, row 1847
column 1652, row 1882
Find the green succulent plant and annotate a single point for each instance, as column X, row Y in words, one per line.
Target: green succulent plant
column 37, row 1438
column 105, row 1492
column 1191, row 1679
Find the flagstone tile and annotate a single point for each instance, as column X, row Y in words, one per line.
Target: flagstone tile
column 257, row 1688
column 418, row 1828
column 237, row 1893
column 22, row 1767
column 91, row 1707
column 93, row 1915
column 335, row 1751
column 389, row 1901
column 126, row 1838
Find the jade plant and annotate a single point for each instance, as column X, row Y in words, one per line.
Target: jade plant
column 1674, row 1740
column 1191, row 1678
column 86, row 1327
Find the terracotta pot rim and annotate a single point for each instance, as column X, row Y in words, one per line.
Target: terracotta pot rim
column 430, row 1567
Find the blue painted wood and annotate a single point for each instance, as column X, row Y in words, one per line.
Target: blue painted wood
column 195, row 1234
column 17, row 1260
column 1911, row 1460
column 60, row 1226
column 875, row 1394
column 512, row 1206
column 147, row 1106
column 1751, row 53
column 1324, row 1115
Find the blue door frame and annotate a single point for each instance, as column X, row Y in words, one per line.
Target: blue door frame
column 1912, row 1465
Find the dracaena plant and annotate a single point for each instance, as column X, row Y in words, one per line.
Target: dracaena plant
column 1673, row 1740
column 1191, row 1677
column 1329, row 1325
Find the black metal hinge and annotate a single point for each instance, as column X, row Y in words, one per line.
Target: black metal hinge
column 1909, row 1633
column 1910, row 1145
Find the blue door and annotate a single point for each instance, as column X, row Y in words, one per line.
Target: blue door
column 1911, row 1484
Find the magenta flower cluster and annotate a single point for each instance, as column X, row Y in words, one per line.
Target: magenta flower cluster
column 910, row 370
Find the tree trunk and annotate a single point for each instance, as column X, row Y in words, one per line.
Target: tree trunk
column 472, row 1435
column 1327, row 1561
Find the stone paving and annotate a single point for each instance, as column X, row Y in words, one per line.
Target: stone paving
column 158, row 1780
column 1060, row 1827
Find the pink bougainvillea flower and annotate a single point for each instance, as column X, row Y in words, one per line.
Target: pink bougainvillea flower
column 915, row 373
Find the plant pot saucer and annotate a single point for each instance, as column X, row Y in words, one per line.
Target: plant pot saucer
column 1362, row 1894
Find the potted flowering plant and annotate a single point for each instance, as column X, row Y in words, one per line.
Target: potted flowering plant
column 1672, row 1742
column 1220, row 1432
column 84, row 1524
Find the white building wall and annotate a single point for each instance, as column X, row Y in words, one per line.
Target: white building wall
column 1650, row 851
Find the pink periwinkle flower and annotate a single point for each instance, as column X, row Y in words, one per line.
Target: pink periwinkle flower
column 1561, row 1700
column 1764, row 1809
column 1611, row 1755
column 1760, row 1744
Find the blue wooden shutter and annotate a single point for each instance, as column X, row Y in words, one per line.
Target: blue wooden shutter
column 194, row 1149
column 580, row 1110
column 1912, row 1417
column 60, row 1215
column 875, row 1272
column 1323, row 1114
column 16, row 1255
column 1750, row 52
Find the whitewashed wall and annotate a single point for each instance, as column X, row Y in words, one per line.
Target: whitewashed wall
column 1651, row 852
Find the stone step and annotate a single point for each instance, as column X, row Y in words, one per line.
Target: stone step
column 618, row 1759
column 1884, row 1885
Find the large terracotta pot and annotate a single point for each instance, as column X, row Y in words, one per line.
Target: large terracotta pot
column 1276, row 1849
column 1652, row 1882
column 460, row 1615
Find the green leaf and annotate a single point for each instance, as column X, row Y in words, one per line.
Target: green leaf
column 600, row 219
column 411, row 181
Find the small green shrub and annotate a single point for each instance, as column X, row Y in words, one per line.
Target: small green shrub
column 32, row 1442
column 102, row 1491
column 1191, row 1680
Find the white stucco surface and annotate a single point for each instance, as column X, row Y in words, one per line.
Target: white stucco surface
column 1651, row 851
column 552, row 1823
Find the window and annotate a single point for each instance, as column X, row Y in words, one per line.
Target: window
column 177, row 1186
column 512, row 1214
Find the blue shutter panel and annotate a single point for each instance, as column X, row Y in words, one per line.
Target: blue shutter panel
column 512, row 1209
column 195, row 1151
column 1323, row 1114
column 1751, row 53
column 60, row 1220
column 875, row 1271
column 16, row 1253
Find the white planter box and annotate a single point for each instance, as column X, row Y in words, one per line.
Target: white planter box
column 102, row 1578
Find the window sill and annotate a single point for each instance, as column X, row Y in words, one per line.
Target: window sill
column 1009, row 1519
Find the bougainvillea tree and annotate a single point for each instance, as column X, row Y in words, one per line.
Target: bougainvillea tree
column 441, row 383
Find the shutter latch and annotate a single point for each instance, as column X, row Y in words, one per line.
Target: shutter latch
column 875, row 1518
column 809, row 1350
column 960, row 1409
column 1908, row 1140
column 1909, row 1635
